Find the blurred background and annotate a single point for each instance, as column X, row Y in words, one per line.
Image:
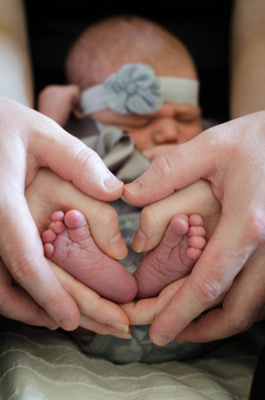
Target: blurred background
column 203, row 25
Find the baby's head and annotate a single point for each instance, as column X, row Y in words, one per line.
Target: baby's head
column 106, row 48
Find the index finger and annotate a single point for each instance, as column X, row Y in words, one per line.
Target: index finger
column 194, row 199
column 48, row 145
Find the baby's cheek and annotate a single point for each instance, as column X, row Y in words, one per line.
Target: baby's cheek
column 140, row 140
column 192, row 131
column 158, row 151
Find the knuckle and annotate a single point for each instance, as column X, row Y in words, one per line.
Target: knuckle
column 200, row 335
column 161, row 166
column 207, row 291
column 148, row 218
column 256, row 226
column 22, row 268
column 86, row 160
column 86, row 156
column 50, row 301
column 107, row 214
column 241, row 323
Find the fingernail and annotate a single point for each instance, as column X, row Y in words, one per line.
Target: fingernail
column 119, row 326
column 66, row 324
column 125, row 201
column 139, row 241
column 123, row 335
column 160, row 339
column 52, row 326
column 111, row 183
column 180, row 341
column 135, row 187
column 118, row 247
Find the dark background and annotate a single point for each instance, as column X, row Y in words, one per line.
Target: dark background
column 203, row 25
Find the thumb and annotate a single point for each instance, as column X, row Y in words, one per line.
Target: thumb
column 46, row 144
column 74, row 161
column 176, row 169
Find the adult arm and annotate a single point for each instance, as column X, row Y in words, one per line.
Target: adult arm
column 15, row 66
column 248, row 58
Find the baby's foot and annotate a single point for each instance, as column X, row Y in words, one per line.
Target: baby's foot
column 173, row 258
column 69, row 244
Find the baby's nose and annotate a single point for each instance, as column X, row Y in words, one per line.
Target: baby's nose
column 166, row 132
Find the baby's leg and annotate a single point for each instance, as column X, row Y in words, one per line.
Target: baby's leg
column 69, row 244
column 173, row 258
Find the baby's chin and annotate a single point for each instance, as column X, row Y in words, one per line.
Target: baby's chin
column 158, row 151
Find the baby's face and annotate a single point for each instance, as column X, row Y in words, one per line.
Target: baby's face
column 156, row 134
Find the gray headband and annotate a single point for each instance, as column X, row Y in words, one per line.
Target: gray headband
column 136, row 90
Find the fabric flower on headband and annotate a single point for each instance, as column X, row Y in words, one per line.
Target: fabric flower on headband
column 134, row 89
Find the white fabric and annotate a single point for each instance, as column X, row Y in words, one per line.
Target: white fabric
column 36, row 364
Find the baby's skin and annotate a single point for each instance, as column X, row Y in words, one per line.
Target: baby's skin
column 69, row 243
column 173, row 258
column 48, row 193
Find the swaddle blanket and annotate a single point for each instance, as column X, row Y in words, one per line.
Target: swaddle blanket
column 36, row 364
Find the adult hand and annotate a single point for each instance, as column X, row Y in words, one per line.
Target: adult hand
column 48, row 193
column 144, row 311
column 231, row 157
column 98, row 315
column 197, row 198
column 29, row 140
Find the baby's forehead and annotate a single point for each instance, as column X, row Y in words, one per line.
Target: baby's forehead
column 177, row 111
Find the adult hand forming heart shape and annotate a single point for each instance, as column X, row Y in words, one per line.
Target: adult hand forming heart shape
column 49, row 193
